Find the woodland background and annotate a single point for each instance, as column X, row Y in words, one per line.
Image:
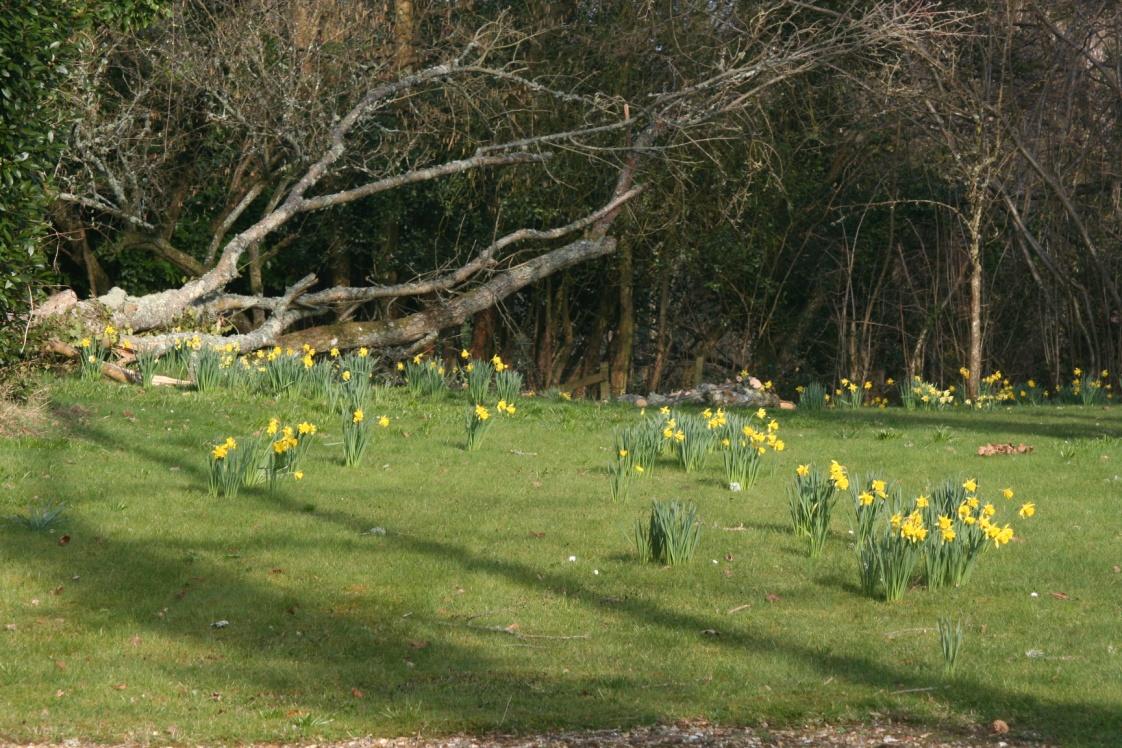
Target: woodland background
column 863, row 189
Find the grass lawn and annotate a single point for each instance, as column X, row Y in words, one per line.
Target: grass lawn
column 336, row 631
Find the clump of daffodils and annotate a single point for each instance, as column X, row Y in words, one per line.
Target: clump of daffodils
column 478, row 422
column 633, row 455
column 225, row 468
column 691, row 437
column 811, row 502
column 871, row 497
column 917, row 393
column 356, row 435
column 967, row 525
column 286, row 447
column 424, row 377
column 1087, row 389
column 948, row 531
column 744, row 444
column 91, row 354
column 508, row 382
column 850, row 394
column 478, row 376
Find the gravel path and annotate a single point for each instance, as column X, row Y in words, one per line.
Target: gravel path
column 694, row 735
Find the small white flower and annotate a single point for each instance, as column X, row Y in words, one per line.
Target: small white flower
column 1033, row 594
column 572, row 558
column 596, row 572
column 734, row 486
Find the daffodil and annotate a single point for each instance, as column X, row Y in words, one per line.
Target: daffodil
column 1027, row 509
column 298, row 475
column 383, row 421
column 357, row 416
column 970, row 485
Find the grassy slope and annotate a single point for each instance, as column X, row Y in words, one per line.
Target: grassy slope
column 112, row 635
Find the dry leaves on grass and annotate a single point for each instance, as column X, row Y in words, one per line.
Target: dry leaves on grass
column 989, row 450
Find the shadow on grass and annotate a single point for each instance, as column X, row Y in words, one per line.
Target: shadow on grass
column 301, row 642
column 1073, row 422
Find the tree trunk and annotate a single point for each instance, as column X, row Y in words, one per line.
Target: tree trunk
column 483, row 334
column 661, row 337
column 546, row 337
column 75, row 234
column 404, row 34
column 625, row 329
column 591, row 361
column 256, row 284
column 975, row 365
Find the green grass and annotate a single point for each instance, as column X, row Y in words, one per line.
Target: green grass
column 336, row 631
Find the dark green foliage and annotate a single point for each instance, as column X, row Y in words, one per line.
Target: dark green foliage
column 37, row 39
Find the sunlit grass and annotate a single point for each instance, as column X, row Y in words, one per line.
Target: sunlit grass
column 434, row 589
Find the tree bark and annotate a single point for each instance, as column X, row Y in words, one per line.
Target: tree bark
column 661, row 336
column 408, row 329
column 975, row 235
column 625, row 328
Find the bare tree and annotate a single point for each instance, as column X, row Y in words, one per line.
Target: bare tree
column 326, row 131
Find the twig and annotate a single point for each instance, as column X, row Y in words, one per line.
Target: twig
column 894, row 634
column 30, row 314
column 510, row 631
column 916, row 690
